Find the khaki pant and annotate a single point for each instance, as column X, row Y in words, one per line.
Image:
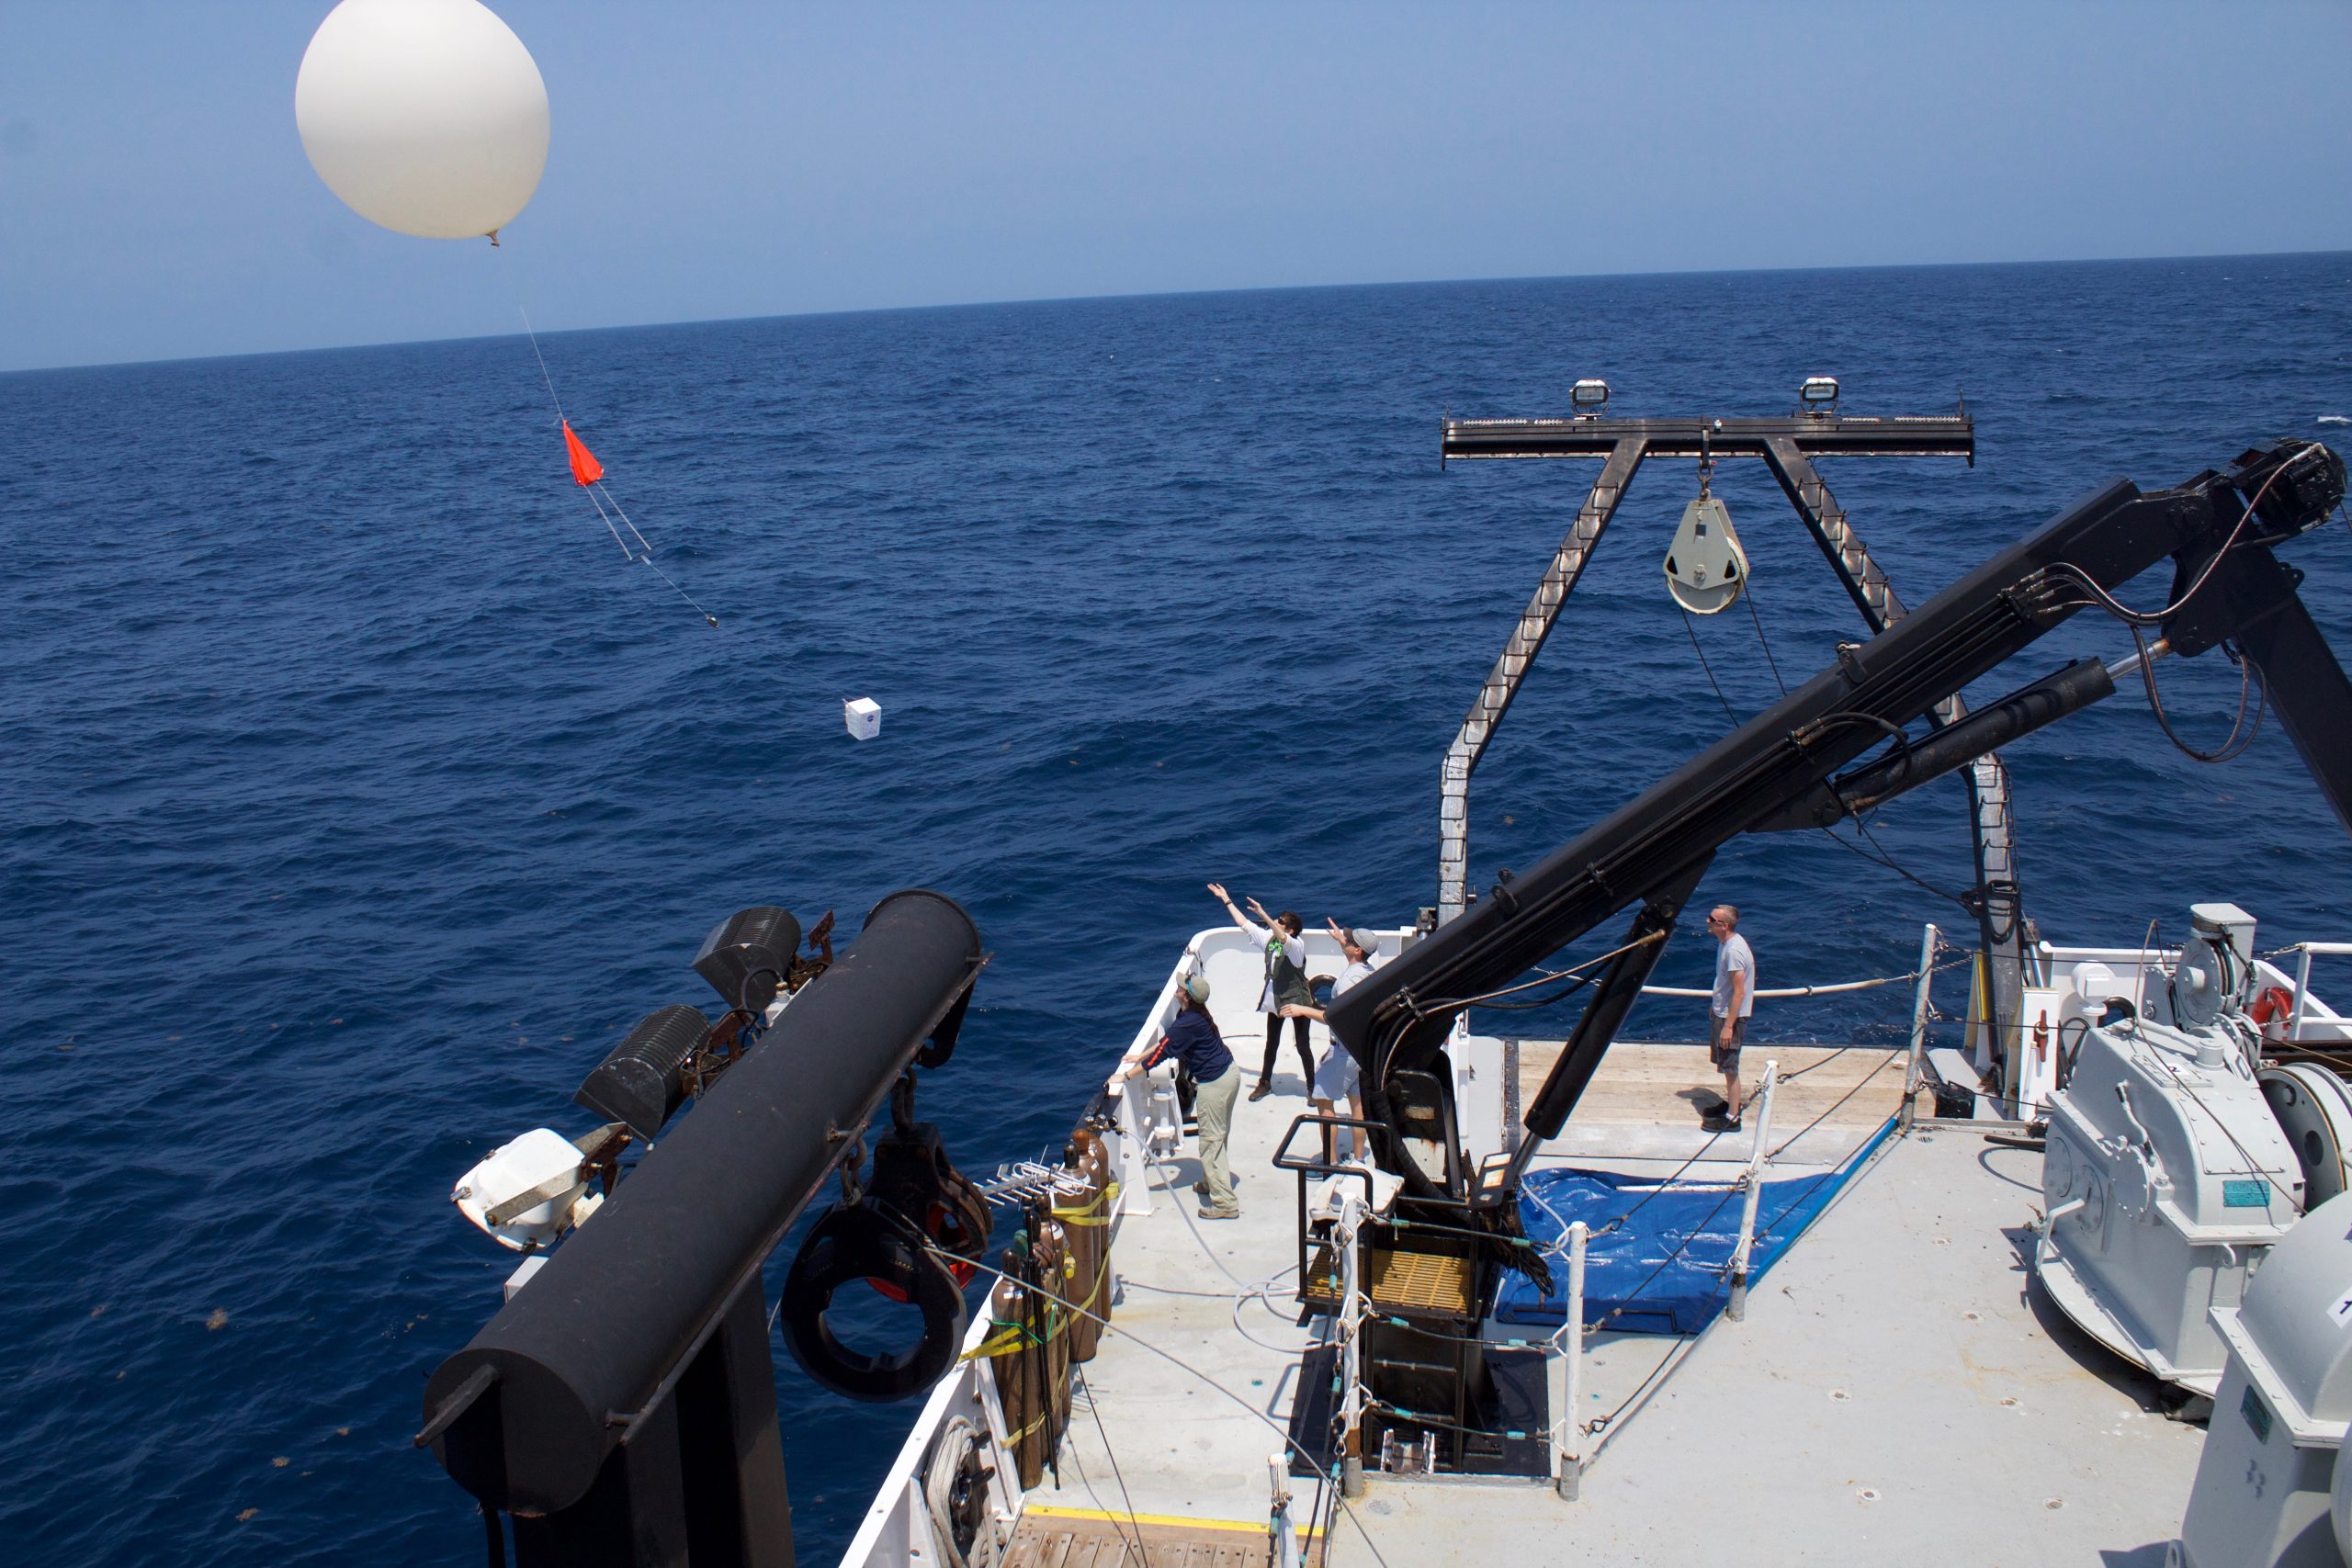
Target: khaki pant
column 1214, row 1109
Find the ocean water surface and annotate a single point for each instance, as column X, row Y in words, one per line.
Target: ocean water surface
column 359, row 795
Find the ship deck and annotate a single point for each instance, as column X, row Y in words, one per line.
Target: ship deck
column 1966, row 1424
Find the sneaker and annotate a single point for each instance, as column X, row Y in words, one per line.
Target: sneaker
column 1209, row 1214
column 1731, row 1125
column 1262, row 1090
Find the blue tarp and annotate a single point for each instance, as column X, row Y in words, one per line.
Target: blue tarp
column 1661, row 1269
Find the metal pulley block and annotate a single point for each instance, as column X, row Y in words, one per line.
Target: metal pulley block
column 1705, row 569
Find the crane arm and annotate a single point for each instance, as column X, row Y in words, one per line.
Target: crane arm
column 1783, row 767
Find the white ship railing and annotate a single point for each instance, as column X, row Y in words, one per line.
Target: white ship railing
column 1753, row 1179
column 2304, row 952
column 1566, row 1367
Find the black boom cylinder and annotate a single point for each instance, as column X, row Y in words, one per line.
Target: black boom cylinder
column 584, row 1355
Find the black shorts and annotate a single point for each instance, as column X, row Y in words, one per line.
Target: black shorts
column 1724, row 1037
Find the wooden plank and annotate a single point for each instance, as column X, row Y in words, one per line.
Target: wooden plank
column 1063, row 1540
column 1665, row 1085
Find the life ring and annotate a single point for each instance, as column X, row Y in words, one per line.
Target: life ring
column 2275, row 1005
column 865, row 1242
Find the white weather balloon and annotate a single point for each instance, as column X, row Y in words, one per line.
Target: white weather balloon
column 424, row 116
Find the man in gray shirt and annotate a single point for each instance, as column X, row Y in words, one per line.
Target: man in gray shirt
column 1730, row 1007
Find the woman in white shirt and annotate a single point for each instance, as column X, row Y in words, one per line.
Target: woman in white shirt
column 1286, row 987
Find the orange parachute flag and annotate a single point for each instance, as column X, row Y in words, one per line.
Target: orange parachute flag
column 585, row 469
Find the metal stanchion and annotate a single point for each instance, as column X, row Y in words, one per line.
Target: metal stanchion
column 1567, row 1379
column 1919, row 1010
column 1284, row 1534
column 1351, row 1349
column 1737, row 1308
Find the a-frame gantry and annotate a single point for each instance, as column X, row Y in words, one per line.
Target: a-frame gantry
column 1788, row 446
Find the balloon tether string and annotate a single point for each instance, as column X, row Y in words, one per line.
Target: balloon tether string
column 643, row 555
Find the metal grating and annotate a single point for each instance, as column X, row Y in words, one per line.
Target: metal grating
column 1426, row 1282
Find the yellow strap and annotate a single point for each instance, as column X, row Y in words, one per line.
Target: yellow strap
column 1096, row 1213
column 1010, row 1336
column 995, row 1345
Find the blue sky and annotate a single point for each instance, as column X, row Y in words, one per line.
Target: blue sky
column 716, row 160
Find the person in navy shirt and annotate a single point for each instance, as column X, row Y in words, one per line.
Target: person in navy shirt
column 1193, row 1039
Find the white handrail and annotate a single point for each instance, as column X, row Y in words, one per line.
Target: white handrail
column 1351, row 1305
column 1921, row 1008
column 1787, row 990
column 1567, row 1357
column 1737, row 1309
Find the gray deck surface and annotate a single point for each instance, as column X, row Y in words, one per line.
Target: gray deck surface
column 1972, row 1430
column 1893, row 1395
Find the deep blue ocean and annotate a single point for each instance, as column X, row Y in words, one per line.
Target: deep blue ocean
column 356, row 794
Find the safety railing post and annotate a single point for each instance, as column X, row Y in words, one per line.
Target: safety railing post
column 1914, row 1076
column 1567, row 1376
column 1351, row 1350
column 1284, row 1534
column 2302, row 989
column 1737, row 1309
column 1140, row 1102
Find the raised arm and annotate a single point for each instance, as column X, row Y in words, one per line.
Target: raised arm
column 1254, row 932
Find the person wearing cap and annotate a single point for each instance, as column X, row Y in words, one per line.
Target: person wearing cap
column 1286, row 985
column 1729, row 1007
column 1192, row 1038
column 1336, row 1075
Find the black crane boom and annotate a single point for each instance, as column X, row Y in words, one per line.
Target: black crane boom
column 2219, row 528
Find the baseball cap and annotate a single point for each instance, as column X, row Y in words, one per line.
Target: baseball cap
column 1197, row 988
column 1368, row 941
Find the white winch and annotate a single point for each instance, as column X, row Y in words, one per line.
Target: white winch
column 2166, row 1172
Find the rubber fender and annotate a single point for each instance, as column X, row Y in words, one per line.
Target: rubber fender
column 860, row 1242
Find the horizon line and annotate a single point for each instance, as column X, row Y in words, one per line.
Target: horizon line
column 1018, row 300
